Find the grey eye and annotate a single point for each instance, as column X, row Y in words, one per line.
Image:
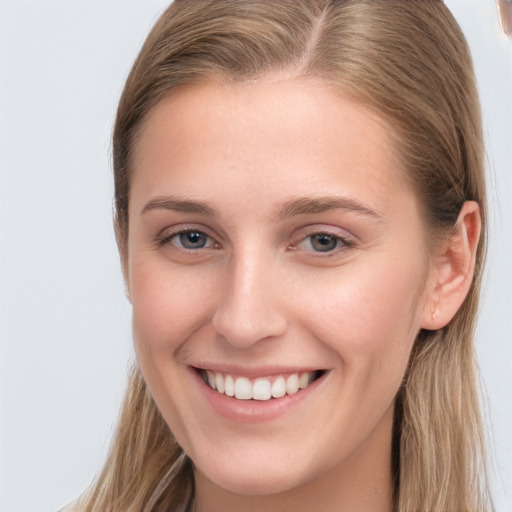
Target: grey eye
column 323, row 242
column 192, row 240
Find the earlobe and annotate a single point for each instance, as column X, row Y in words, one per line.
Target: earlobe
column 453, row 269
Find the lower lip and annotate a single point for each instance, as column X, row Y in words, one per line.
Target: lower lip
column 254, row 411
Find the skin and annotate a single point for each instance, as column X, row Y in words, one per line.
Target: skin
column 260, row 297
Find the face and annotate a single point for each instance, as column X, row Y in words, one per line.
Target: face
column 274, row 254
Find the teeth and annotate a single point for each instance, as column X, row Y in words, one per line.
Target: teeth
column 292, row 384
column 219, row 383
column 279, row 387
column 229, row 386
column 211, row 379
column 259, row 389
column 243, row 388
column 304, row 380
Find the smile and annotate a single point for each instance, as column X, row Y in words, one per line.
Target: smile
column 261, row 388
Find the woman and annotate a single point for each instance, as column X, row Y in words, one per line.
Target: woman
column 301, row 214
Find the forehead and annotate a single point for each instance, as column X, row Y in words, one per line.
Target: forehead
column 282, row 135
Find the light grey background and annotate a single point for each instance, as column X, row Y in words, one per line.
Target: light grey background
column 64, row 321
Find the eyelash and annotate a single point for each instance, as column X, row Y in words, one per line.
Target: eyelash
column 341, row 243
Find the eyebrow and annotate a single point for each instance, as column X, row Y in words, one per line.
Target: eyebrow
column 311, row 205
column 179, row 204
column 293, row 207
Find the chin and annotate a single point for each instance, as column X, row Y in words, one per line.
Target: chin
column 250, row 484
column 258, row 478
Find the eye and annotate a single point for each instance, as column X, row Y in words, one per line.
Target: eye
column 322, row 242
column 190, row 239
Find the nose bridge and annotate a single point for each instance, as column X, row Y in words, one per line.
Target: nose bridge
column 247, row 310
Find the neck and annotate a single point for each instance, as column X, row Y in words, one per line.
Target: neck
column 362, row 482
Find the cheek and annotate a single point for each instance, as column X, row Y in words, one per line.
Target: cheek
column 369, row 316
column 168, row 307
column 167, row 304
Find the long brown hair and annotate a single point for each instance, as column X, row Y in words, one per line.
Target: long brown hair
column 408, row 61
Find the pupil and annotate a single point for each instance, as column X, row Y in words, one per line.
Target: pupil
column 324, row 242
column 193, row 240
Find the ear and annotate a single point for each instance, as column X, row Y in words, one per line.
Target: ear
column 453, row 269
column 123, row 256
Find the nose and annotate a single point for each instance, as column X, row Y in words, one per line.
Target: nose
column 248, row 309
